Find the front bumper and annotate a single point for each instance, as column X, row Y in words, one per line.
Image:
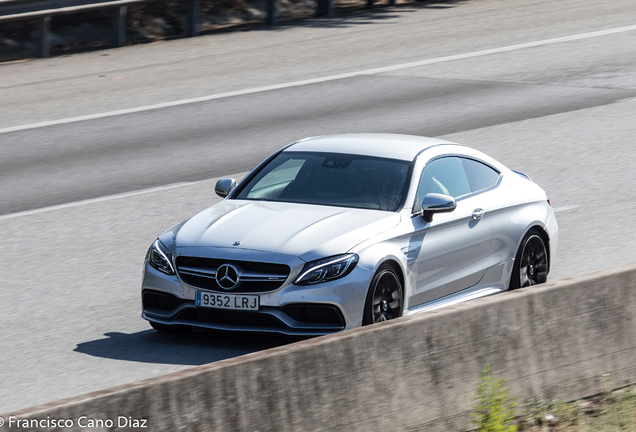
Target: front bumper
column 298, row 319
column 312, row 310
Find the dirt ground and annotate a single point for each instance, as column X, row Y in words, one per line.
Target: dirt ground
column 153, row 21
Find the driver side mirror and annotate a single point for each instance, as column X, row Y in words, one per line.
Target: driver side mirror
column 224, row 187
column 437, row 203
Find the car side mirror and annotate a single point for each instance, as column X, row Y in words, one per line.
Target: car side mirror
column 224, row 187
column 437, row 203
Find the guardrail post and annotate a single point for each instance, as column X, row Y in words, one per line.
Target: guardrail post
column 119, row 25
column 392, row 2
column 193, row 18
column 271, row 12
column 369, row 3
column 325, row 7
column 44, row 36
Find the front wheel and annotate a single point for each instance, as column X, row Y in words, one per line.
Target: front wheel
column 385, row 297
column 531, row 262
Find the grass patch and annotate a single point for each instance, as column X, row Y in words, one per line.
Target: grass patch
column 611, row 411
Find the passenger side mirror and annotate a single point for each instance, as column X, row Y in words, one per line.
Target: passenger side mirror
column 436, row 203
column 224, row 187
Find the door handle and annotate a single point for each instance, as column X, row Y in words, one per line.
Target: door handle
column 478, row 214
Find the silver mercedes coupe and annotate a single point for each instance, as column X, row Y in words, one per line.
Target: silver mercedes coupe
column 335, row 232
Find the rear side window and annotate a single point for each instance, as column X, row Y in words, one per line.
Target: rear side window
column 455, row 176
column 480, row 176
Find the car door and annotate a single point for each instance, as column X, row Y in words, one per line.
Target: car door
column 453, row 249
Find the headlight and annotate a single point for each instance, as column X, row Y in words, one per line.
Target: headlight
column 327, row 269
column 159, row 258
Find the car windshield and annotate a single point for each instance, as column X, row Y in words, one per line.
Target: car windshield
column 330, row 179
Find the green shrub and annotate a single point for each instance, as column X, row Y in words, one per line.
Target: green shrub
column 495, row 410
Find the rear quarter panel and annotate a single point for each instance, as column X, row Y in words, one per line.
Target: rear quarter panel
column 518, row 204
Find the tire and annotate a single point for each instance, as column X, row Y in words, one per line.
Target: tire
column 164, row 328
column 531, row 264
column 385, row 299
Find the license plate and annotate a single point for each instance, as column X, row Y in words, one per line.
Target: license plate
column 227, row 301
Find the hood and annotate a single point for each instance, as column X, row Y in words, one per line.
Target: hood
column 303, row 230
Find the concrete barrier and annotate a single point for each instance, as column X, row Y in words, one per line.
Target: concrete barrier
column 417, row 373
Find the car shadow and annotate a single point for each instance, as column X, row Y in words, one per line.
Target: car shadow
column 193, row 349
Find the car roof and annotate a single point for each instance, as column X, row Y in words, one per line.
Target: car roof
column 391, row 146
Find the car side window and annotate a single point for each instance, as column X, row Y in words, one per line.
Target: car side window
column 480, row 176
column 443, row 176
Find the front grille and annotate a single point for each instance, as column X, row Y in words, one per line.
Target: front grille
column 253, row 276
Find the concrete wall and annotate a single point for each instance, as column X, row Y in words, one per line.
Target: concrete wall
column 416, row 373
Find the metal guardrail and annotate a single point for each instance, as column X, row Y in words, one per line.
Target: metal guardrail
column 44, row 10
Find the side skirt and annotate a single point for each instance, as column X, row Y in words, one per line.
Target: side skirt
column 460, row 297
column 494, row 281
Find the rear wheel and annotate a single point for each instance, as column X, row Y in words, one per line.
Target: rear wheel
column 531, row 262
column 385, row 297
column 163, row 328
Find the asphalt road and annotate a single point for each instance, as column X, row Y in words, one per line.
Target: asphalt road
column 561, row 111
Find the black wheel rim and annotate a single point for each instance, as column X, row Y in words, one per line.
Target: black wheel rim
column 387, row 297
column 533, row 268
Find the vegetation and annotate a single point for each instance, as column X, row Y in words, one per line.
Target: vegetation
column 495, row 410
column 611, row 411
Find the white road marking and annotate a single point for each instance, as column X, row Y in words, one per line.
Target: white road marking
column 565, row 208
column 322, row 79
column 238, row 177
column 92, row 200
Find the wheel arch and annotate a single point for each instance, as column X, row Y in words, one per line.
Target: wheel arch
column 535, row 228
column 394, row 265
column 398, row 269
column 546, row 239
column 373, row 257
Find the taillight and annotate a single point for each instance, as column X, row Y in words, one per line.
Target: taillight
column 547, row 198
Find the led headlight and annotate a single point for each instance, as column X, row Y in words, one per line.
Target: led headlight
column 159, row 258
column 327, row 269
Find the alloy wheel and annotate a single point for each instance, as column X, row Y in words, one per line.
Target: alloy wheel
column 387, row 297
column 533, row 266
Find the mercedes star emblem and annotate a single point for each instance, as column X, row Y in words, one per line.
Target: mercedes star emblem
column 227, row 276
